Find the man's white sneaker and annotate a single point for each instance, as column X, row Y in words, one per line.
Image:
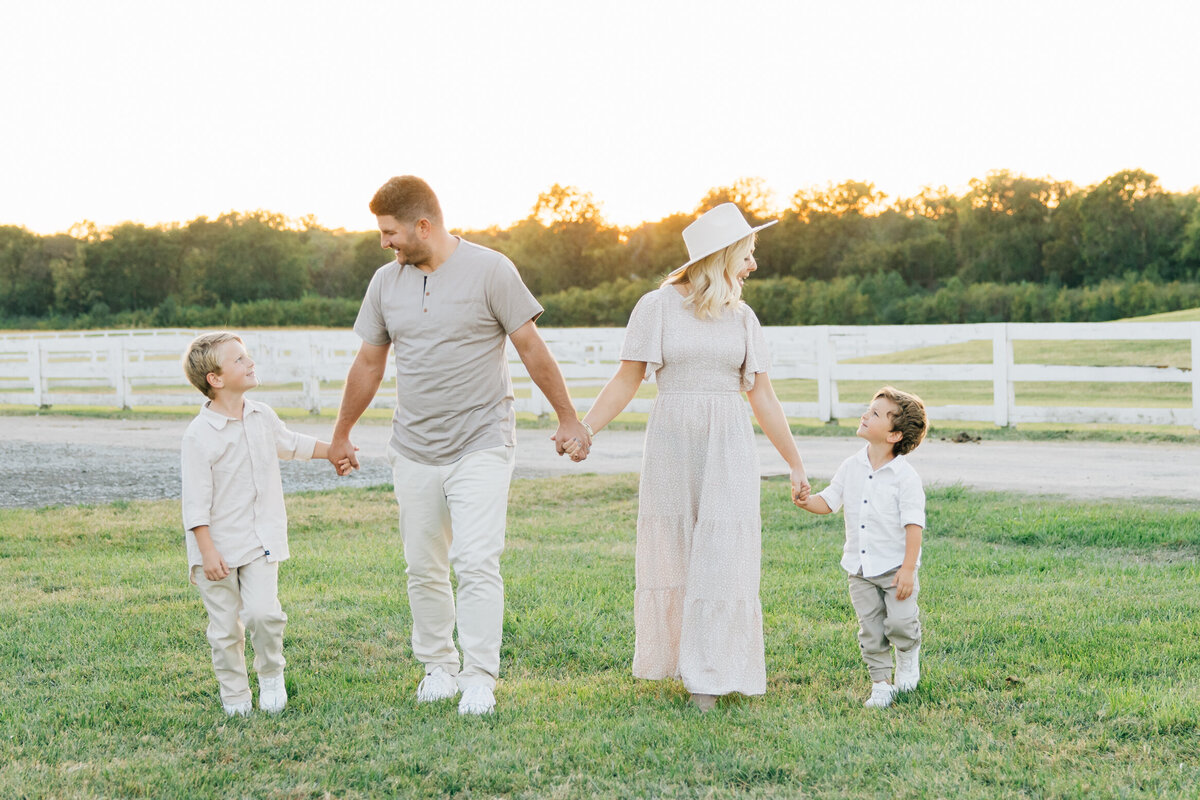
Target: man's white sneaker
column 881, row 695
column 437, row 685
column 477, row 699
column 908, row 669
column 237, row 709
column 272, row 694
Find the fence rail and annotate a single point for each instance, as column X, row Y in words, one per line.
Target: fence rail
column 304, row 369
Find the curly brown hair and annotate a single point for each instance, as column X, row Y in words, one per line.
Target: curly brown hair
column 407, row 198
column 910, row 420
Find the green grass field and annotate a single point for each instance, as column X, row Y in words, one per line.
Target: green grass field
column 1061, row 659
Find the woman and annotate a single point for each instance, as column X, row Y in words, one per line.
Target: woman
column 696, row 606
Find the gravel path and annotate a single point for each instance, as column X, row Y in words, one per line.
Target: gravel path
column 62, row 460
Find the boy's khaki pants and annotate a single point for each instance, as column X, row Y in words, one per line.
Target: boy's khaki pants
column 245, row 599
column 884, row 621
column 453, row 515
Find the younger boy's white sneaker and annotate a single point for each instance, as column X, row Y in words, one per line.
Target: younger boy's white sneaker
column 477, row 699
column 882, row 693
column 437, row 685
column 908, row 669
column 237, row 709
column 272, row 694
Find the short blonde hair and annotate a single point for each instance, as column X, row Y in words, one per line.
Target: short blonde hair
column 201, row 358
column 910, row 420
column 714, row 279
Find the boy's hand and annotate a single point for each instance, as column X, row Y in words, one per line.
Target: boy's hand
column 904, row 582
column 214, row 565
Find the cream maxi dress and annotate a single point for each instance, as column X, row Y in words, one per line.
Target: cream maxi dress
column 696, row 607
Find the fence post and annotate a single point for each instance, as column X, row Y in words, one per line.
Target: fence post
column 1196, row 375
column 1002, row 388
column 35, row 361
column 120, row 375
column 312, row 380
column 825, row 386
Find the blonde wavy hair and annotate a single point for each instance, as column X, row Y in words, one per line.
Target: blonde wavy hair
column 714, row 279
column 202, row 358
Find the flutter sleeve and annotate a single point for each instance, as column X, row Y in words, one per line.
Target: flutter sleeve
column 758, row 358
column 643, row 334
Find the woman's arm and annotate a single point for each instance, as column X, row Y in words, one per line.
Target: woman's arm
column 616, row 394
column 770, row 416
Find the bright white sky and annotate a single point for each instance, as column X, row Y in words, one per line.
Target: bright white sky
column 162, row 111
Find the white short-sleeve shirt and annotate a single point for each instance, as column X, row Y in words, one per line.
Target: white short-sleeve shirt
column 878, row 504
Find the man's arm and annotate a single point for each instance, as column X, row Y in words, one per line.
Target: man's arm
column 362, row 382
column 544, row 371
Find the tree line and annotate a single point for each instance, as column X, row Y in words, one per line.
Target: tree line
column 1009, row 248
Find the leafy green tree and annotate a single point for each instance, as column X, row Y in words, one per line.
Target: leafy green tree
column 243, row 257
column 26, row 282
column 1130, row 224
column 751, row 195
column 132, row 266
column 1004, row 223
column 564, row 242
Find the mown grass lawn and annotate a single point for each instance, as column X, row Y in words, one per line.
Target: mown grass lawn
column 1062, row 659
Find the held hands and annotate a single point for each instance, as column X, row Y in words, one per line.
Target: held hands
column 800, row 487
column 572, row 439
column 903, row 582
column 343, row 455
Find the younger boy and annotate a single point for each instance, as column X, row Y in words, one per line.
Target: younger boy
column 885, row 516
column 233, row 515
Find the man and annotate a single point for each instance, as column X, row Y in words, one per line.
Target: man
column 446, row 306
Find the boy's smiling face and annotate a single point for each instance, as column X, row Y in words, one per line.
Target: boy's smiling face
column 237, row 368
column 876, row 423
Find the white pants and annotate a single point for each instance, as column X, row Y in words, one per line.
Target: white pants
column 246, row 598
column 454, row 515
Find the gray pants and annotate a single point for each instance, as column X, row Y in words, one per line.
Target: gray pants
column 884, row 621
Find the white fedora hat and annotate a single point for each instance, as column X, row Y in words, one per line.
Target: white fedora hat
column 715, row 230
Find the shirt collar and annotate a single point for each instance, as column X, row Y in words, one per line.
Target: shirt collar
column 219, row 420
column 895, row 464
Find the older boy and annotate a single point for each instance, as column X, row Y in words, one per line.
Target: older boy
column 233, row 515
column 885, row 517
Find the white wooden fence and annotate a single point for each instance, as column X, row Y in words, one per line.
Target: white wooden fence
column 304, row 369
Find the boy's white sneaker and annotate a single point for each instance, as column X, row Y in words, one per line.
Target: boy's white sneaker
column 477, row 699
column 237, row 709
column 882, row 693
column 272, row 694
column 437, row 685
column 908, row 669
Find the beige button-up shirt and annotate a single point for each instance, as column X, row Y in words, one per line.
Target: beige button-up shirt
column 231, row 482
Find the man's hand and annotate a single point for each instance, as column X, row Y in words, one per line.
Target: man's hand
column 343, row 455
